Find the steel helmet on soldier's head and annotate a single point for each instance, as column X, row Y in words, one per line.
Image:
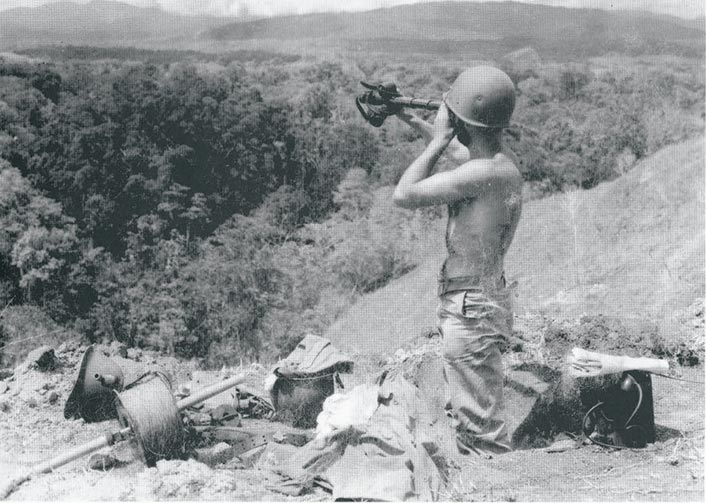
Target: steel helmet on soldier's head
column 482, row 96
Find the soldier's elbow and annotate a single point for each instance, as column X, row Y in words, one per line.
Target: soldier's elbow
column 401, row 199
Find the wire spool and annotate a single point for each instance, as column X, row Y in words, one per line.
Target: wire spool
column 150, row 411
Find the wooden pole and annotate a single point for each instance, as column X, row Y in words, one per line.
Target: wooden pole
column 112, row 437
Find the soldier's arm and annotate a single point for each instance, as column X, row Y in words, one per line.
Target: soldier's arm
column 457, row 152
column 417, row 188
column 464, row 182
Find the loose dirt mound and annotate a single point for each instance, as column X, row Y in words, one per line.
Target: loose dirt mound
column 632, row 248
column 629, row 248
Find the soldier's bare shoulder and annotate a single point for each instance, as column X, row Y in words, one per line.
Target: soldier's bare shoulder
column 501, row 169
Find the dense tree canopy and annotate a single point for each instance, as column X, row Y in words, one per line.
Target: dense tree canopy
column 224, row 207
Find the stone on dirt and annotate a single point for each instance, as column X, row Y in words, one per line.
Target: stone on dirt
column 562, row 445
column 52, row 397
column 102, row 461
column 42, row 358
column 201, row 419
column 225, row 413
column 216, row 455
column 118, row 349
column 134, row 354
column 190, row 480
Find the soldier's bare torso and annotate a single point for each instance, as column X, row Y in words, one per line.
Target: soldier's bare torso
column 480, row 228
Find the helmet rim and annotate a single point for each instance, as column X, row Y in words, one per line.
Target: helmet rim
column 482, row 83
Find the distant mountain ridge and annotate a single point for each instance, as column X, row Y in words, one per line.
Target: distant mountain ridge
column 98, row 22
column 437, row 27
column 464, row 21
column 510, row 24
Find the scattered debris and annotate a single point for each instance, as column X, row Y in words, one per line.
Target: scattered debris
column 295, row 439
column 562, row 445
column 187, row 480
column 215, row 455
column 69, row 346
column 52, row 397
column 134, row 354
column 200, row 419
column 225, row 414
column 183, row 391
column 251, row 405
column 357, row 436
column 42, row 358
column 102, row 461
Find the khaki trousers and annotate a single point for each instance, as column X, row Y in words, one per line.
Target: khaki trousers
column 474, row 323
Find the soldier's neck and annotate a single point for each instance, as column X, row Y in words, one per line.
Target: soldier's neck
column 484, row 148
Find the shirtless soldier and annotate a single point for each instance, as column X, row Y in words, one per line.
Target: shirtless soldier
column 484, row 202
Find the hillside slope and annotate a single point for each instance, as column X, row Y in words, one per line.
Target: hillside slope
column 630, row 248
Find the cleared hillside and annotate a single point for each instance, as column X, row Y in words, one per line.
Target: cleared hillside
column 631, row 248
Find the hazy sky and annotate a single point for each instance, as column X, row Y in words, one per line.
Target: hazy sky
column 682, row 8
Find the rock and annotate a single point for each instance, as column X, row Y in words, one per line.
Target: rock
column 3, row 387
column 67, row 347
column 43, row 387
column 184, row 480
column 32, row 403
column 134, row 354
column 119, row 349
column 201, row 419
column 52, row 397
column 562, row 446
column 251, row 457
column 42, row 358
column 102, row 462
column 4, row 405
column 216, row 455
column 295, row 439
column 183, row 391
column 226, row 413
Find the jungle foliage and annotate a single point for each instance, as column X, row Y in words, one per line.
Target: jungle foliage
column 222, row 208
